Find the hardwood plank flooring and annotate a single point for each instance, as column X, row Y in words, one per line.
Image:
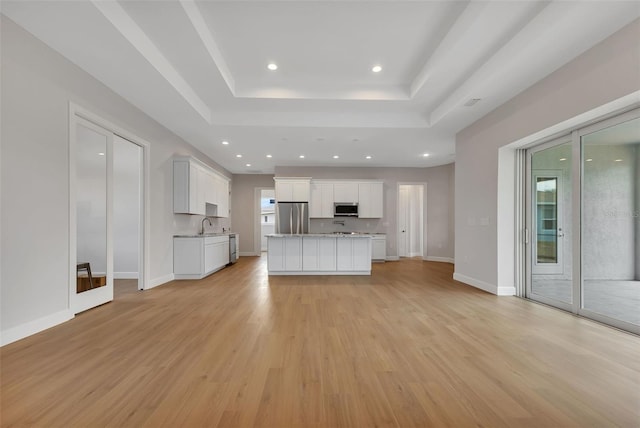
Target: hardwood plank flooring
column 405, row 347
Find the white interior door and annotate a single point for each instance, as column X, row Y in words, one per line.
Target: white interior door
column 91, row 149
column 403, row 221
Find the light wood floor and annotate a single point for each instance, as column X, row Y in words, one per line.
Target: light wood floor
column 405, row 347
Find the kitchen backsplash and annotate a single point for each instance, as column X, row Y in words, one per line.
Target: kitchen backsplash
column 328, row 225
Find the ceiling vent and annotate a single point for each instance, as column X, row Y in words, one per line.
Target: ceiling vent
column 472, row 102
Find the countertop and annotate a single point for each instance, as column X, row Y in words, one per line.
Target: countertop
column 324, row 235
column 206, row 235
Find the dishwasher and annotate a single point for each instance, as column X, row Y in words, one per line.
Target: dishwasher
column 233, row 254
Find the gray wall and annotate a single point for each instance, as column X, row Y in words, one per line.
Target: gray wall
column 37, row 85
column 438, row 233
column 602, row 74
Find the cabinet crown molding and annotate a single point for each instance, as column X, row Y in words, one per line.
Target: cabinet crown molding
column 202, row 164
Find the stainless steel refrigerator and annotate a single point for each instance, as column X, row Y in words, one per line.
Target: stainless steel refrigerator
column 292, row 217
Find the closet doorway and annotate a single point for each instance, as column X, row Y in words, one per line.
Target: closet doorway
column 108, row 216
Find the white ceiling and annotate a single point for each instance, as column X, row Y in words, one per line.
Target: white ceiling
column 199, row 68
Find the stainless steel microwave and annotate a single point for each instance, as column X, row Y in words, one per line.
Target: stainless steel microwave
column 345, row 209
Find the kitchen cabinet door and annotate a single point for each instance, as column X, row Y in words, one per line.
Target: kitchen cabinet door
column 345, row 192
column 275, row 254
column 379, row 248
column 321, row 201
column 370, row 200
column 284, row 253
column 310, row 253
column 327, row 253
column 362, row 254
column 344, row 254
column 293, row 190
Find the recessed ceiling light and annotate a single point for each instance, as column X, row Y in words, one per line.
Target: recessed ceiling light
column 238, row 156
column 367, row 157
column 618, row 160
column 426, row 155
column 100, row 154
column 269, row 156
column 301, row 156
column 336, row 156
column 563, row 159
column 248, row 164
column 376, row 69
column 272, row 66
column 225, row 143
column 589, row 160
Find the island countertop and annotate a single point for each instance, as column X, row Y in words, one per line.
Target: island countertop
column 321, row 235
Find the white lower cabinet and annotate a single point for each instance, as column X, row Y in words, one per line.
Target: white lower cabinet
column 284, row 253
column 319, row 253
column 353, row 254
column 378, row 248
column 199, row 256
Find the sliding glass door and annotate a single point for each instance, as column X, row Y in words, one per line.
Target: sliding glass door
column 611, row 221
column 549, row 196
column 583, row 222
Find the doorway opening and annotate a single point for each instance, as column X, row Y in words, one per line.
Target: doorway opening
column 108, row 187
column 264, row 217
column 127, row 211
column 411, row 219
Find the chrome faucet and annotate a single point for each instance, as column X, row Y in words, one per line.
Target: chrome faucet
column 202, row 228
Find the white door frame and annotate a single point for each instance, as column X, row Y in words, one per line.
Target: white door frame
column 79, row 114
column 423, row 216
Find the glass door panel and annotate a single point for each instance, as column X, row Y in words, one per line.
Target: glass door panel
column 610, row 222
column 549, row 217
column 93, row 284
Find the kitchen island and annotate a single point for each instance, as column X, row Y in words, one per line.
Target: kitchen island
column 319, row 254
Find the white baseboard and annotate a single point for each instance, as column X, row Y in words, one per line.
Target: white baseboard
column 249, row 254
column 489, row 288
column 439, row 259
column 125, row 275
column 160, row 280
column 392, row 258
column 32, row 327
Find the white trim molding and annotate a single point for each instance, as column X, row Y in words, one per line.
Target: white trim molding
column 438, row 259
column 32, row 327
column 392, row 258
column 485, row 286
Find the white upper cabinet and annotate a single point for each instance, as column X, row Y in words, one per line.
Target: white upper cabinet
column 321, row 203
column 293, row 189
column 345, row 191
column 197, row 189
column 370, row 196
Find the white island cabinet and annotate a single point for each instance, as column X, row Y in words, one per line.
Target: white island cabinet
column 284, row 254
column 319, row 254
column 195, row 257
